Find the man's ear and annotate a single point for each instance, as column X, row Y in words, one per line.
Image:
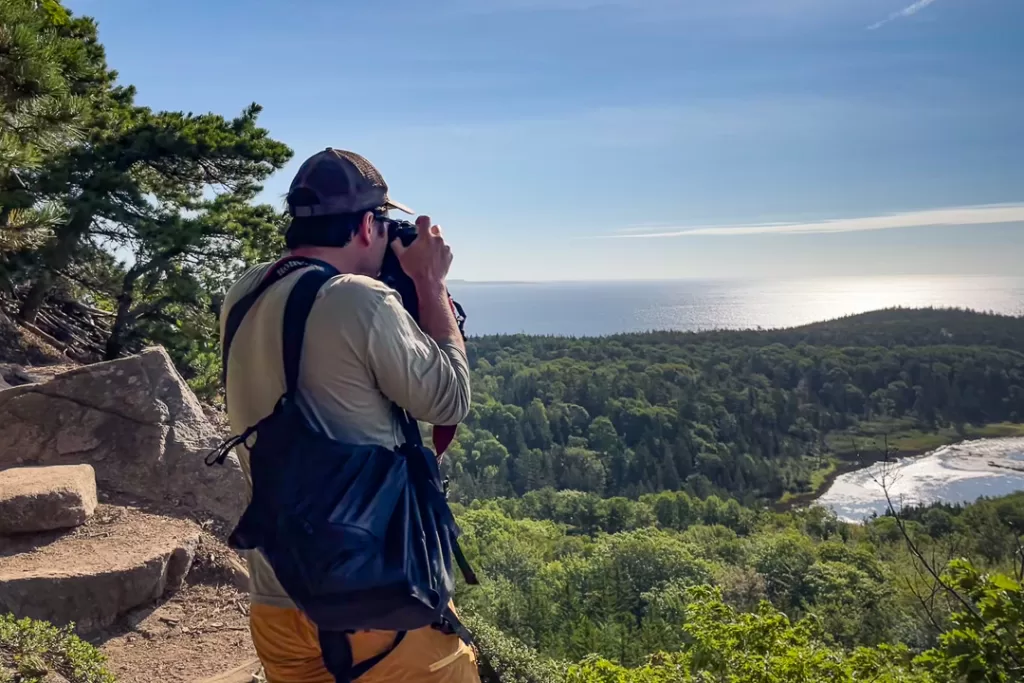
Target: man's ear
column 366, row 227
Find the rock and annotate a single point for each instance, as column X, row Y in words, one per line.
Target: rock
column 135, row 421
column 14, row 375
column 46, row 498
column 25, row 377
column 122, row 559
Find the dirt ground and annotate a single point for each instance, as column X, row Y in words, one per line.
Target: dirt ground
column 198, row 633
column 114, row 539
column 192, row 635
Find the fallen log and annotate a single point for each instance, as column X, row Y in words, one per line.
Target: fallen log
column 94, row 311
column 68, row 328
column 52, row 341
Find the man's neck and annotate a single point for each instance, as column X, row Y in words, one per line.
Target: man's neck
column 338, row 258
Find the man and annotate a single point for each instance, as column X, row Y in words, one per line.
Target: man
column 362, row 351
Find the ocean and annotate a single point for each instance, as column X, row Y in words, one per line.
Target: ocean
column 601, row 308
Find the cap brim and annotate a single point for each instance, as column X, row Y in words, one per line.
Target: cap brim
column 399, row 207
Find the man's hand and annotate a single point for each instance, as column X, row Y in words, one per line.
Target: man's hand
column 427, row 260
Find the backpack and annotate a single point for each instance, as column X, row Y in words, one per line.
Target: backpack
column 361, row 537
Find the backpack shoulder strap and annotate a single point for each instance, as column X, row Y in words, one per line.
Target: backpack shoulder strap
column 300, row 303
column 296, row 311
column 279, row 271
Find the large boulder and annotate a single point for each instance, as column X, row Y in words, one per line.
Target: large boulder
column 46, row 498
column 135, row 421
column 122, row 559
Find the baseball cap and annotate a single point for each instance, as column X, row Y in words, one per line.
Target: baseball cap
column 342, row 182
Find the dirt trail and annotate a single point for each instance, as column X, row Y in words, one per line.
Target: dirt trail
column 198, row 633
column 193, row 635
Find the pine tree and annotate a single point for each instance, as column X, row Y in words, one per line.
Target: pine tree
column 128, row 184
column 48, row 60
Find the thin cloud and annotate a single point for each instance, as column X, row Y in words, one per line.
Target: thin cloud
column 905, row 12
column 964, row 215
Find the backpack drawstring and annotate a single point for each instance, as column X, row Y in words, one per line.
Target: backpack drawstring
column 218, row 455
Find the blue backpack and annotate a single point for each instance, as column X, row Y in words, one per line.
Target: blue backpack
column 360, row 536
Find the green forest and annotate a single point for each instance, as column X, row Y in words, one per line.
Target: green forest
column 756, row 416
column 636, row 504
column 675, row 588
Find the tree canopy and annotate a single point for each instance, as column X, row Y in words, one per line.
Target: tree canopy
column 144, row 214
column 755, row 415
column 762, row 597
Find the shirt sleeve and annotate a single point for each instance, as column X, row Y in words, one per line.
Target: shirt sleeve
column 429, row 380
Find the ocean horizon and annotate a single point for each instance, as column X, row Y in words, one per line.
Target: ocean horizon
column 585, row 308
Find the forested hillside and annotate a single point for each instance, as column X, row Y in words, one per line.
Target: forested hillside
column 750, row 414
column 757, row 596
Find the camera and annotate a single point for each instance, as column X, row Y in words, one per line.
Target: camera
column 391, row 273
column 401, row 230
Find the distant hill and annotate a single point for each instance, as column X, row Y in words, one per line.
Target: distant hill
column 888, row 327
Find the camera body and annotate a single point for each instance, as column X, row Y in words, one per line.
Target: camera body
column 391, row 273
column 401, row 230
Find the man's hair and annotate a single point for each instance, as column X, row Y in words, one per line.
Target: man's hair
column 323, row 231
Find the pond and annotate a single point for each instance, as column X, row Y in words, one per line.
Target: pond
column 960, row 473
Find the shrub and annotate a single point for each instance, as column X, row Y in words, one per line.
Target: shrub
column 30, row 649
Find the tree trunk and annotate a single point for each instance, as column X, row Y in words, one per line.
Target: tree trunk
column 36, row 295
column 126, row 317
column 123, row 320
column 116, row 339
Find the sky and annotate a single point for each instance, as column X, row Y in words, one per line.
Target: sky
column 632, row 139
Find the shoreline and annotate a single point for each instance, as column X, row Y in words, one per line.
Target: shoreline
column 844, row 464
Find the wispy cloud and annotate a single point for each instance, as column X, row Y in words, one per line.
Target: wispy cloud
column 905, row 12
column 963, row 215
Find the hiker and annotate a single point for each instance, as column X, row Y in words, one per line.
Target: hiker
column 362, row 353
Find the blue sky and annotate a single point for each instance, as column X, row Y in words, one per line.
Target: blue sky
column 601, row 139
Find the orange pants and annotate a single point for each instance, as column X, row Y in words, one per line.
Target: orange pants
column 289, row 649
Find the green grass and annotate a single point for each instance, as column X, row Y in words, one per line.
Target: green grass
column 868, row 439
column 30, row 650
column 997, row 430
column 820, row 478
